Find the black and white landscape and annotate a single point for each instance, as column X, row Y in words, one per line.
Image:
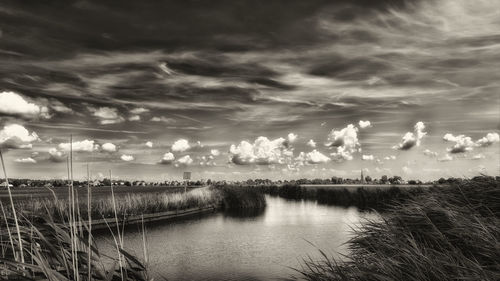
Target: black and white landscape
column 345, row 106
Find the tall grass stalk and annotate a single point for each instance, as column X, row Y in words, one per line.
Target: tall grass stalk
column 20, row 241
column 89, row 223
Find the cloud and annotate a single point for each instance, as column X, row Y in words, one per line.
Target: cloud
column 346, row 141
column 407, row 170
column 390, row 157
column 108, row 147
column 79, row 146
column 16, row 136
column 57, row 155
column 462, row 143
column 214, row 152
column 367, row 157
column 185, row 160
column 311, row 143
column 168, row 158
column 162, row 119
column 107, row 115
column 412, row 139
column 127, row 158
column 292, row 137
column 149, row 144
column 25, row 160
column 14, row 104
column 445, row 158
column 488, row 140
column 313, row 157
column 139, row 110
column 364, row 124
column 478, row 156
column 262, row 152
column 134, row 118
column 59, row 107
column 180, row 145
column 429, row 153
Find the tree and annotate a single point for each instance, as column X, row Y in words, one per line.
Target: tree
column 368, row 179
column 383, row 179
column 441, row 180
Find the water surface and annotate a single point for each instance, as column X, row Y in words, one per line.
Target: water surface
column 227, row 247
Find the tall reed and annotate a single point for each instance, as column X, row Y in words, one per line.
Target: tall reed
column 445, row 233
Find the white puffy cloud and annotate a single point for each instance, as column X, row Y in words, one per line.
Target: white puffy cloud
column 57, row 155
column 313, row 157
column 488, row 140
column 14, row 104
column 107, row 115
column 162, row 119
column 407, row 170
column 180, row 145
column 185, row 160
column 134, row 118
column 149, row 144
column 364, row 124
column 429, row 153
column 346, row 142
column 16, row 136
column 367, row 157
column 214, row 152
column 311, row 143
column 25, row 160
column 262, row 152
column 412, row 139
column 445, row 158
column 478, row 156
column 108, row 147
column 139, row 110
column 462, row 143
column 168, row 158
column 292, row 137
column 79, row 146
column 390, row 157
column 127, row 158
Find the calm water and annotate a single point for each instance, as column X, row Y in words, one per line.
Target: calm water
column 223, row 247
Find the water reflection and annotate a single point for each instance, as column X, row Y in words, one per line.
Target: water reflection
column 258, row 246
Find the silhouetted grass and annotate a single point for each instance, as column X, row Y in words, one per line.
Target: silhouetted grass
column 444, row 233
column 242, row 198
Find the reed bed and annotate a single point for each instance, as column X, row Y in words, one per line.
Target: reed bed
column 445, row 233
column 370, row 197
column 126, row 205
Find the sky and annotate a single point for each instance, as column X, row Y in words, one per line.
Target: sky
column 250, row 89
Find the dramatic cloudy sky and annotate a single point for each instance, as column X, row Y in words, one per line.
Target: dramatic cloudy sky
column 245, row 89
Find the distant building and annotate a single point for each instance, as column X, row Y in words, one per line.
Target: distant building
column 362, row 177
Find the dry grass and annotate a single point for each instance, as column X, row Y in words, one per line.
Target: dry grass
column 448, row 233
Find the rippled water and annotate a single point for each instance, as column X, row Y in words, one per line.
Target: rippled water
column 227, row 247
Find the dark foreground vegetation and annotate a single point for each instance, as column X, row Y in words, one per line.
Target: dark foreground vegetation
column 370, row 197
column 444, row 233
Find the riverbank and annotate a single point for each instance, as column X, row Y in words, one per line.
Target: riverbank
column 52, row 239
column 443, row 233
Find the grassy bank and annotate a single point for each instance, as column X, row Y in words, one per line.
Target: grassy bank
column 444, row 233
column 362, row 197
column 125, row 205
